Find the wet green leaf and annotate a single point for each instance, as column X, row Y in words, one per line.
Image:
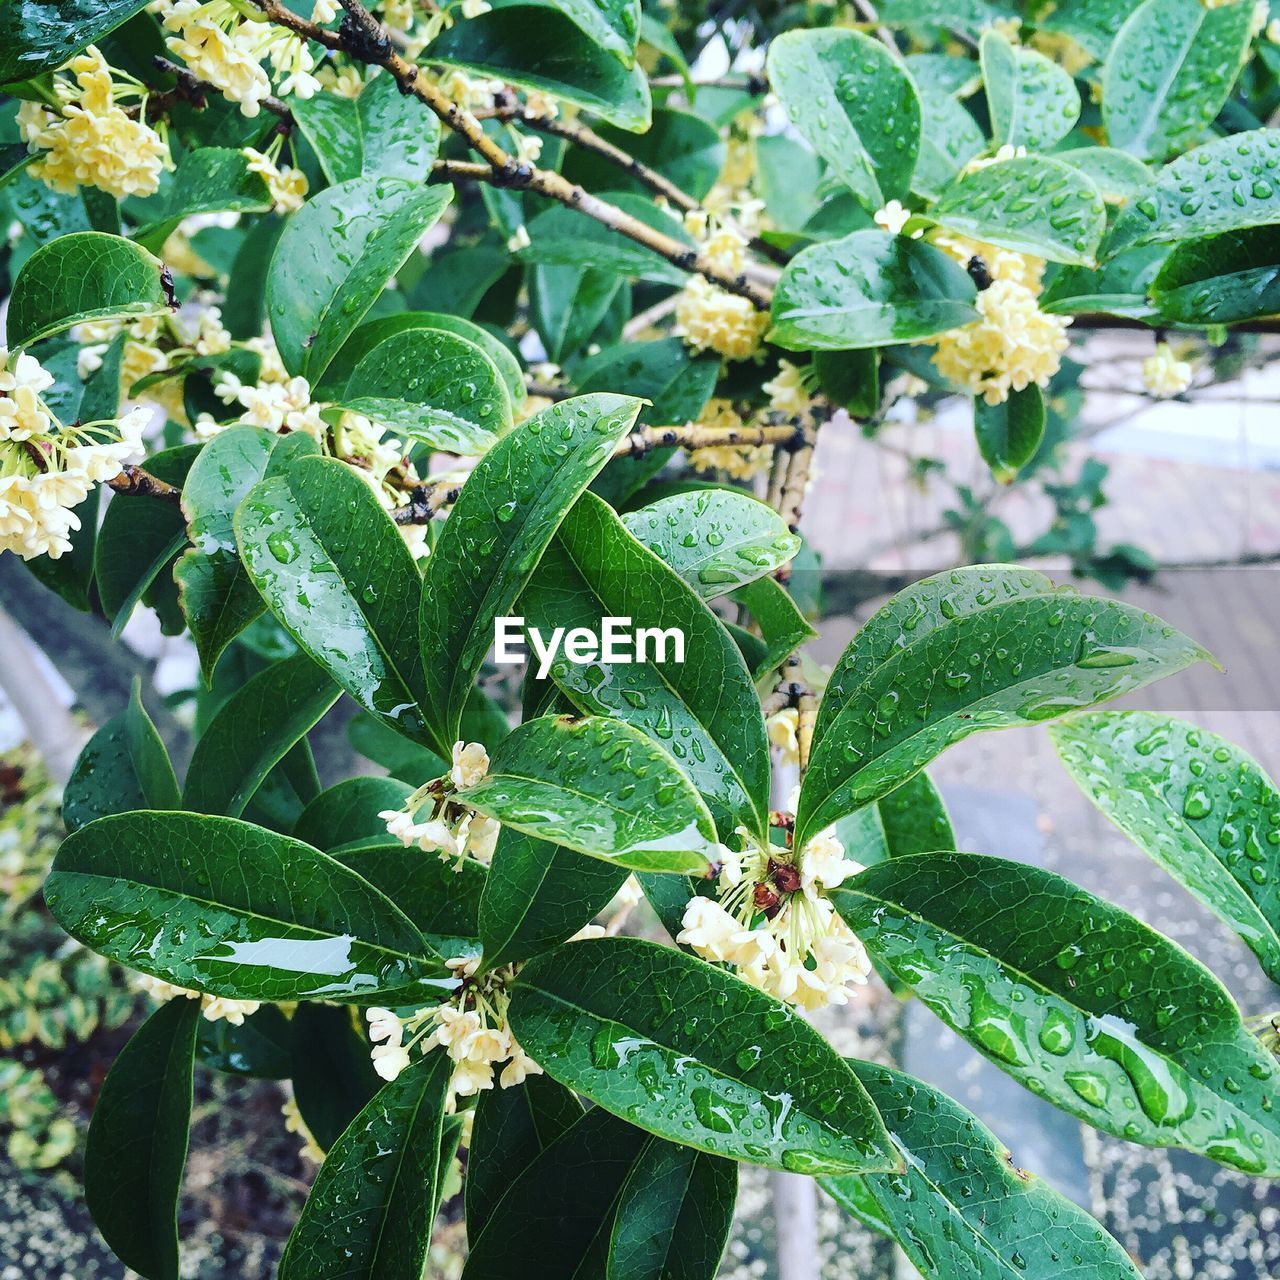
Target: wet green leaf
column 39, row 35
column 217, row 595
column 969, row 16
column 1224, row 279
column 1033, row 102
column 137, row 1144
column 1119, row 286
column 679, row 145
column 866, row 290
column 337, row 574
column 222, row 906
column 373, row 1205
column 912, row 819
column 598, row 786
column 1196, row 804
column 330, row 1068
column 538, row 894
column 612, row 1017
column 123, row 766
column 207, row 180
column 1117, row 175
column 949, row 138
column 704, row 712
column 614, row 25
column 348, row 812
column 1092, row 24
column 854, row 103
column 509, row 510
column 1009, row 433
column 259, row 1047
column 783, row 628
column 87, row 275
column 961, row 1207
column 381, row 132
column 1169, row 71
column 354, row 236
column 253, row 731
column 1016, row 662
column 1031, row 204
column 1046, row 989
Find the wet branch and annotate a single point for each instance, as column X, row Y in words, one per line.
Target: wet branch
column 638, row 443
column 134, row 482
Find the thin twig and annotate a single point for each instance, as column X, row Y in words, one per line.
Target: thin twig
column 797, row 481
column 691, row 437
column 753, row 83
column 134, row 482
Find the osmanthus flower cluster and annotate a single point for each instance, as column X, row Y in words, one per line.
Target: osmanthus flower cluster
column 451, row 829
column 212, row 1008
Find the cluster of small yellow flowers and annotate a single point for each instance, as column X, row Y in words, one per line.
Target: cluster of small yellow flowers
column 222, row 44
column 1069, row 55
column 1006, row 152
column 48, row 468
column 212, row 1008
column 346, row 81
column 471, row 1028
column 469, row 93
column 288, row 186
column 87, row 139
column 741, row 462
column 1163, row 374
column 783, row 729
column 1013, row 343
column 309, row 1149
column 709, row 318
column 893, row 218
column 774, row 922
column 1010, row 28
column 790, row 390
column 451, row 830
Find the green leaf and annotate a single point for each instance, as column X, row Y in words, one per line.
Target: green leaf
column 207, row 180
column 1009, row 433
column 1033, row 102
column 850, row 379
column 222, row 906
column 85, row 276
column 680, row 146
column 1225, row 185
column 715, row 539
column 969, row 16
column 1117, row 175
column 1224, row 279
column 677, row 383
column 704, row 710
column 946, row 73
column 538, row 894
column 217, row 595
column 123, row 766
column 1092, row 24
column 1195, row 804
column 851, row 100
column 253, row 731
column 258, row 1048
column 1045, row 989
column 961, row 1207
column 1032, row 204
column 1119, row 286
column 538, row 47
column 511, row 1127
column 137, row 1142
column 1014, row 663
column 866, row 290
column 383, row 132
column 505, row 517
column 348, row 812
column 555, row 1218
column 600, row 787
column 334, row 570
column 563, row 237
column 39, row 35
column 912, row 819
column 355, row 236
column 682, row 1049
column 783, row 628
column 674, row 1214
column 613, row 25
column 949, row 138
column 373, row 1205
column 330, row 1068
column 1169, row 71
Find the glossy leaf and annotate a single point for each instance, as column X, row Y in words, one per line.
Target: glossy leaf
column 1225, row 185
column 866, row 290
column 1032, row 204
column 123, row 766
column 137, row 1143
column 168, row 893
column 679, row 145
column 1200, row 807
column 677, row 383
column 851, row 99
column 1092, row 24
column 1033, row 102
column 373, row 1205
column 81, row 277
column 961, row 1207
column 783, row 628
column 1046, row 990
column 912, row 819
column 348, row 812
column 706, row 713
column 949, row 138
column 39, row 35
column 1009, row 433
column 380, row 132
column 715, row 539
column 218, row 597
column 538, row 894
column 1168, row 73
column 598, row 786
column 330, row 1069
column 1224, row 279
column 207, row 180
column 614, row 25
column 1015, row 663
column 253, row 731
column 507, row 513
column 355, row 235
column 336, row 573
column 259, row 1047
column 1120, row 286
column 1117, row 175
column 612, row 1017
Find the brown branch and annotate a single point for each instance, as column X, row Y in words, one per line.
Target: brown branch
column 793, row 489
column 134, row 482
column 641, row 442
column 190, row 88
